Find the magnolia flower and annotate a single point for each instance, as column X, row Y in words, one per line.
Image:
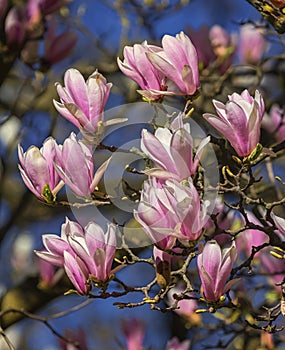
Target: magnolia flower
column 213, row 45
column 280, row 225
column 33, row 17
column 185, row 307
column 57, row 47
column 134, row 332
column 47, row 275
column 82, row 103
column 77, row 336
column 250, row 238
column 273, row 266
column 252, row 44
column 221, row 215
column 74, row 164
column 22, row 22
column 200, row 39
column 178, row 61
column 214, row 267
column 172, row 151
column 220, row 41
column 175, row 344
column 170, row 211
column 86, row 254
column 239, row 120
column 161, row 256
column 274, row 122
column 137, row 66
column 15, row 28
column 54, row 246
column 95, row 249
column 77, row 273
column 37, row 170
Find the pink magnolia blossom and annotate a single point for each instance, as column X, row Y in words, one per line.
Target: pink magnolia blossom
column 223, row 217
column 48, row 274
column 95, row 248
column 15, row 28
column 214, row 47
column 201, row 40
column 274, row 122
column 250, row 238
column 33, row 16
column 239, row 120
column 37, row 169
column 23, row 22
column 175, row 344
column 77, row 273
column 57, row 46
column 134, row 332
column 77, row 336
column 171, row 150
column 221, row 41
column 251, row 44
column 84, row 253
column 223, row 46
column 170, row 211
column 214, row 267
column 273, row 266
column 161, row 256
column 74, row 164
column 185, row 307
column 178, row 61
column 82, row 103
column 55, row 245
column 280, row 225
column 137, row 66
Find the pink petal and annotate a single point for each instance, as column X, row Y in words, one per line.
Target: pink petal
column 49, row 257
column 212, row 259
column 65, row 113
column 157, row 151
column 55, row 244
column 76, row 272
column 29, row 184
column 100, row 258
column 98, row 175
column 75, row 85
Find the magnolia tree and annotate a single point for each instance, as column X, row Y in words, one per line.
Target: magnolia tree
column 196, row 197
